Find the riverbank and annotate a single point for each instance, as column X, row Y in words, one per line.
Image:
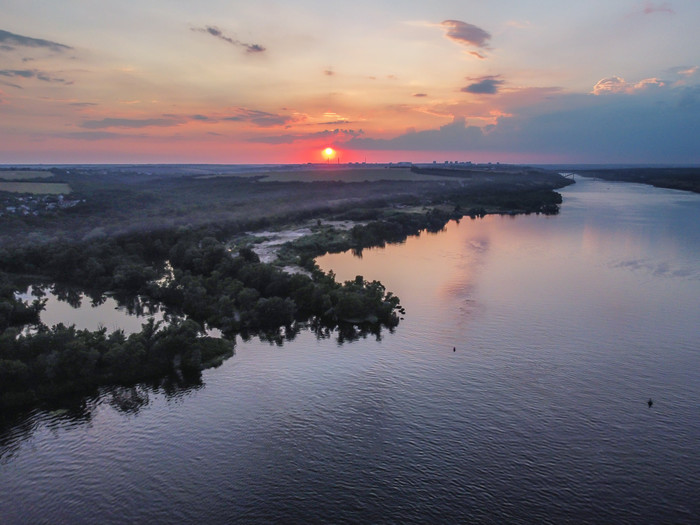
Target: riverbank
column 686, row 179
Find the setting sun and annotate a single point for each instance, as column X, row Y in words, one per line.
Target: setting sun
column 328, row 152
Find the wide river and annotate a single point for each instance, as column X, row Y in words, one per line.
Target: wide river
column 562, row 328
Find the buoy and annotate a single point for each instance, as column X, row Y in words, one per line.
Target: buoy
column 650, row 402
column 454, row 349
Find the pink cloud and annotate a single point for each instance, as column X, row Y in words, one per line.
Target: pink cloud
column 610, row 85
column 620, row 85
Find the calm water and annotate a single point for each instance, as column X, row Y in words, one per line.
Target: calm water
column 563, row 328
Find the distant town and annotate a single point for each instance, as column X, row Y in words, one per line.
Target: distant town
column 34, row 204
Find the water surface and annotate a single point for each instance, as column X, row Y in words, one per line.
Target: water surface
column 562, row 327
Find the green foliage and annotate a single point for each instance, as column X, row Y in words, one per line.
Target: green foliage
column 61, row 359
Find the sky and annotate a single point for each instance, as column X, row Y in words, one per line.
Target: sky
column 232, row 81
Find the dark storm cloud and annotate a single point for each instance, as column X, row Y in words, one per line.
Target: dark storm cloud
column 484, row 85
column 9, row 41
column 217, row 33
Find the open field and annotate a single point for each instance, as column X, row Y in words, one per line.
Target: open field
column 338, row 174
column 37, row 188
column 24, row 175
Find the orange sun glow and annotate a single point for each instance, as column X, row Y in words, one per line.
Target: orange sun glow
column 328, row 152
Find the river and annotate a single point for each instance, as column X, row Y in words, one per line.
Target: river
column 514, row 390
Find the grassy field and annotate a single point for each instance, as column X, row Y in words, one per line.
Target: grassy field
column 37, row 188
column 333, row 173
column 24, row 175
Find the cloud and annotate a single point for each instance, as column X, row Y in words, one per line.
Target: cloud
column 95, row 135
column 31, row 73
column 650, row 8
column 328, row 72
column 686, row 71
column 288, row 138
column 130, row 123
column 611, row 85
column 487, row 85
column 10, row 84
column 259, row 118
column 217, row 33
column 420, row 95
column 642, row 126
column 9, row 40
column 454, row 136
column 466, row 34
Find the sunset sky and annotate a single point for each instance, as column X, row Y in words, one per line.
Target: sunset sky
column 225, row 81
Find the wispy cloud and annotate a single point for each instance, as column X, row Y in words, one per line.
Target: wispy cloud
column 620, row 85
column 687, row 71
column 259, row 118
column 288, row 138
column 330, row 123
column 95, row 135
column 328, row 72
column 217, row 33
column 467, row 35
column 31, row 73
column 487, row 85
column 130, row 123
column 420, row 95
column 9, row 40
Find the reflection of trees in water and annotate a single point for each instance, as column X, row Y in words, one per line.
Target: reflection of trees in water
column 347, row 332
column 18, row 427
column 68, row 294
column 131, row 399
